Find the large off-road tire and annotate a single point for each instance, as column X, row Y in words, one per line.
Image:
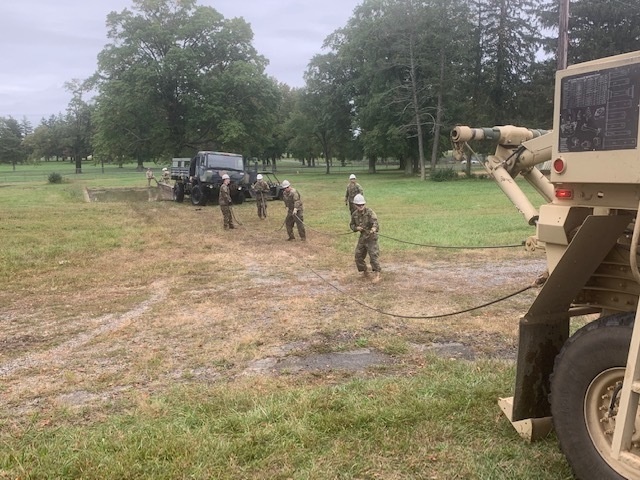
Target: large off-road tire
column 585, row 394
column 198, row 196
column 178, row 193
column 238, row 199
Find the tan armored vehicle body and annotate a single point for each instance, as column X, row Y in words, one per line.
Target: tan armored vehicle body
column 588, row 383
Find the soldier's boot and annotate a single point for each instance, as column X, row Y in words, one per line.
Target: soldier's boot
column 232, row 226
column 376, row 277
column 365, row 274
column 304, row 239
column 290, row 238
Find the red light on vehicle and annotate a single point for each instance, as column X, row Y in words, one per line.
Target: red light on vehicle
column 559, row 165
column 564, row 193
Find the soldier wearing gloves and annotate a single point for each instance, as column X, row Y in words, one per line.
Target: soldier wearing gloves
column 365, row 221
column 353, row 189
column 293, row 203
column 224, row 200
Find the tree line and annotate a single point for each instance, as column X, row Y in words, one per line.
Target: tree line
column 176, row 77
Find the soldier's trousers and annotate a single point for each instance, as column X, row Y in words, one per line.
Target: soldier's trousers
column 297, row 220
column 367, row 244
column 227, row 217
column 262, row 206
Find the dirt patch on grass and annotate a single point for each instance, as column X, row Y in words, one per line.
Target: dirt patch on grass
column 200, row 304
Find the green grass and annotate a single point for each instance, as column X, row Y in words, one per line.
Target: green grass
column 440, row 423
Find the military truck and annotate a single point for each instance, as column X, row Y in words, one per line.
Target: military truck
column 200, row 177
column 586, row 384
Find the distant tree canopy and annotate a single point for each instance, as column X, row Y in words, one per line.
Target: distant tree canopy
column 176, row 77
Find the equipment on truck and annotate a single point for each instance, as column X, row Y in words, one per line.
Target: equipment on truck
column 589, row 382
column 275, row 191
column 201, row 177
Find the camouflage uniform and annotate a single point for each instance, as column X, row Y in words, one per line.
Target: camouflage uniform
column 262, row 189
column 166, row 176
column 224, row 200
column 368, row 241
column 150, row 177
column 353, row 189
column 292, row 200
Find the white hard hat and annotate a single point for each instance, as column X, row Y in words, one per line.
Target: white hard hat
column 259, row 177
column 359, row 199
column 352, row 177
column 225, row 177
column 164, row 169
column 286, row 184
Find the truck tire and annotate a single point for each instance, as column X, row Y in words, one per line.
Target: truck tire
column 178, row 193
column 587, row 373
column 198, row 196
column 238, row 199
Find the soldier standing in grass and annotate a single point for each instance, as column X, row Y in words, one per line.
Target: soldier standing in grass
column 166, row 176
column 150, row 176
column 365, row 221
column 224, row 200
column 293, row 203
column 353, row 189
column 262, row 189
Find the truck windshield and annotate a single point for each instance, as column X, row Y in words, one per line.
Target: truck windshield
column 224, row 162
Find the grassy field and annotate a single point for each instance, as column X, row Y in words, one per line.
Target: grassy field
column 134, row 335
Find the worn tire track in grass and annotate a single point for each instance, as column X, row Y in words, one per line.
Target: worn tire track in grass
column 106, row 324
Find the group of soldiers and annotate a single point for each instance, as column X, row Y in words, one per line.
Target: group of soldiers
column 166, row 176
column 363, row 219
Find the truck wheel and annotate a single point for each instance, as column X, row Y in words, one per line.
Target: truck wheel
column 239, row 199
column 585, row 389
column 198, row 196
column 178, row 193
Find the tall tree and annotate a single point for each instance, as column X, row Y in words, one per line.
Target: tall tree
column 178, row 76
column 325, row 104
column 508, row 42
column 11, row 150
column 597, row 28
column 78, row 123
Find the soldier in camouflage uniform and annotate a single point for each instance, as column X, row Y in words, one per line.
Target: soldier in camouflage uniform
column 166, row 175
column 293, row 202
column 224, row 200
column 365, row 221
column 262, row 189
column 150, row 177
column 353, row 189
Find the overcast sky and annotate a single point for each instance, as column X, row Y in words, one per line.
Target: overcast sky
column 44, row 43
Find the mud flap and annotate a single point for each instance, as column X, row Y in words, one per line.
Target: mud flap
column 545, row 327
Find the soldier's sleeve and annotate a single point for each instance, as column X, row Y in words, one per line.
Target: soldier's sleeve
column 352, row 224
column 298, row 201
column 374, row 221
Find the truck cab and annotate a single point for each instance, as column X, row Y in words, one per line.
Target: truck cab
column 201, row 177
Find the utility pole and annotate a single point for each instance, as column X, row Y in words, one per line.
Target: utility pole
column 563, row 35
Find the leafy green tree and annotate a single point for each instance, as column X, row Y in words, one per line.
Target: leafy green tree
column 78, row 124
column 597, row 28
column 395, row 52
column 11, row 150
column 178, row 77
column 508, row 42
column 303, row 144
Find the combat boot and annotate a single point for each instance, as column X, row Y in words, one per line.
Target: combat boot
column 365, row 274
column 376, row 277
